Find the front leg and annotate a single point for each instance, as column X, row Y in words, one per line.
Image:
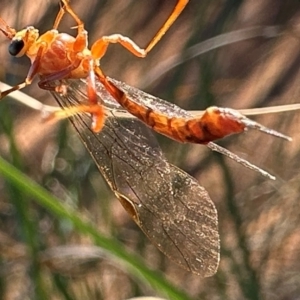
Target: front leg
column 31, row 73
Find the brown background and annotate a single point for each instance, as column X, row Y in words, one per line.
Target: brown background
column 258, row 218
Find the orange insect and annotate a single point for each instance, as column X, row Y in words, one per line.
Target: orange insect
column 56, row 56
column 173, row 210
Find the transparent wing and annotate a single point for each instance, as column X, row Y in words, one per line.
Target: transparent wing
column 155, row 103
column 170, row 206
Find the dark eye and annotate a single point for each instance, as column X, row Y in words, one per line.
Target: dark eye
column 15, row 47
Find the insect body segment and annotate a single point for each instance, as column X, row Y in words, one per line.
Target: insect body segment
column 215, row 123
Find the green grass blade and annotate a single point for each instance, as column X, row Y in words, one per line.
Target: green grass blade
column 132, row 263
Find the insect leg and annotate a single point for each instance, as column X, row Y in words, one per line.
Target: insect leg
column 31, row 73
column 95, row 110
column 99, row 47
column 7, row 30
column 59, row 16
column 67, row 8
column 81, row 42
column 98, row 116
column 93, row 107
column 172, row 18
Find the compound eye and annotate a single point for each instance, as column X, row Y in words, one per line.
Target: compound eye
column 16, row 47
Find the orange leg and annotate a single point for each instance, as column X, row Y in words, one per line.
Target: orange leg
column 7, row 30
column 79, row 45
column 67, row 8
column 59, row 16
column 94, row 108
column 99, row 48
column 31, row 73
column 81, row 39
column 172, row 18
column 96, row 111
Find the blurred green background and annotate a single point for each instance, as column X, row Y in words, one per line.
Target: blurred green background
column 46, row 256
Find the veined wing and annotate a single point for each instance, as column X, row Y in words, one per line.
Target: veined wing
column 170, row 206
